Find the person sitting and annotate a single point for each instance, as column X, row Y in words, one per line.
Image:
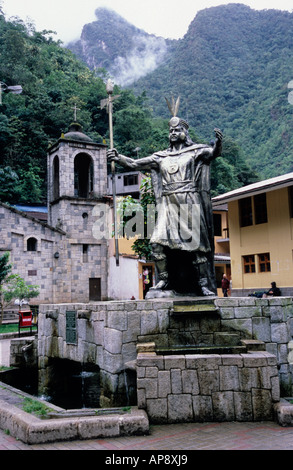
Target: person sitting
column 274, row 291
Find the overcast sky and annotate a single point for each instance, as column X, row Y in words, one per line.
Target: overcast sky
column 166, row 18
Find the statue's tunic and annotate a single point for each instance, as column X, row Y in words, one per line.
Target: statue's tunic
column 181, row 186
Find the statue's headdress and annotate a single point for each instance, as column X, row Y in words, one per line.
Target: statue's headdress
column 173, row 108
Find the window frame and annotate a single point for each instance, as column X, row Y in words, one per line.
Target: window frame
column 250, row 263
column 266, row 263
column 130, row 180
column 253, row 210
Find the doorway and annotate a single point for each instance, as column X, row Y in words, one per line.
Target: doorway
column 95, row 289
column 147, row 279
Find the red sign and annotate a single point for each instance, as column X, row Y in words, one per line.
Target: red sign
column 25, row 318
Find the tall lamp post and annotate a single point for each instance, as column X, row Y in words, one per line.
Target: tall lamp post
column 15, row 89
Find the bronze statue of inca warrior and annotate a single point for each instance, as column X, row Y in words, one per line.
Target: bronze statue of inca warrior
column 183, row 238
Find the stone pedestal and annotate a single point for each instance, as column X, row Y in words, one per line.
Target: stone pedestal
column 107, row 334
column 198, row 388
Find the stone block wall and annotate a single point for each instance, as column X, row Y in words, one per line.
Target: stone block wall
column 107, row 333
column 35, row 267
column 268, row 320
column 198, row 388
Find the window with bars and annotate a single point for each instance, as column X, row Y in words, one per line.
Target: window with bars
column 249, row 264
column 264, row 263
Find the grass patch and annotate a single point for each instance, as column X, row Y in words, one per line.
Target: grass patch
column 13, row 328
column 35, row 407
column 126, row 408
column 4, row 368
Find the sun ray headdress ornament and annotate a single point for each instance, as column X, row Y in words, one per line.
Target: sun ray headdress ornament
column 173, row 108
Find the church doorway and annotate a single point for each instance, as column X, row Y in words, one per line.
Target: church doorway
column 95, row 289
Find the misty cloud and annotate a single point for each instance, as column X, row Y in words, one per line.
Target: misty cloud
column 145, row 56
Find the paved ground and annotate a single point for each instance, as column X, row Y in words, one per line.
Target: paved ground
column 178, row 437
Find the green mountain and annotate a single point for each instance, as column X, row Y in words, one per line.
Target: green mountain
column 125, row 51
column 54, row 83
column 231, row 70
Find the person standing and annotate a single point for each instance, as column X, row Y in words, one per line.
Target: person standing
column 225, row 285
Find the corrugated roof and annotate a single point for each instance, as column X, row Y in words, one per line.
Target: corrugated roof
column 255, row 188
column 32, row 208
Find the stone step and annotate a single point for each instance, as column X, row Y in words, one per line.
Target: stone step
column 214, row 349
column 253, row 344
column 227, row 339
column 194, row 308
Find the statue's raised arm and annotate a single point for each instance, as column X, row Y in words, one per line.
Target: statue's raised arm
column 217, row 150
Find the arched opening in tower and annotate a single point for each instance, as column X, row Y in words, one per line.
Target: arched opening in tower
column 83, row 175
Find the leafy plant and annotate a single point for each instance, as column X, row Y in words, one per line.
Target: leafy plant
column 35, row 407
column 131, row 211
column 13, row 287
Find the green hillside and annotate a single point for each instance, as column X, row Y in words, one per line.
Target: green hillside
column 232, row 70
column 125, row 51
column 54, row 80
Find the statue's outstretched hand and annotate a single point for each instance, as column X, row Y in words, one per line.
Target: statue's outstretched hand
column 112, row 155
column 218, row 133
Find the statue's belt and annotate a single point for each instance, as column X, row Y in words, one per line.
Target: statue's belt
column 179, row 187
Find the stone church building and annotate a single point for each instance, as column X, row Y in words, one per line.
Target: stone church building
column 64, row 256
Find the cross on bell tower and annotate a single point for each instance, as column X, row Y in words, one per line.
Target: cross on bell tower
column 75, row 108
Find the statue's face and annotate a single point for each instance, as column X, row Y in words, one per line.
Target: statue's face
column 174, row 134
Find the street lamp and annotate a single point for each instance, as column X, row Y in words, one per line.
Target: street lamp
column 15, row 89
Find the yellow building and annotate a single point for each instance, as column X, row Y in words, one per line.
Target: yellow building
column 260, row 218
